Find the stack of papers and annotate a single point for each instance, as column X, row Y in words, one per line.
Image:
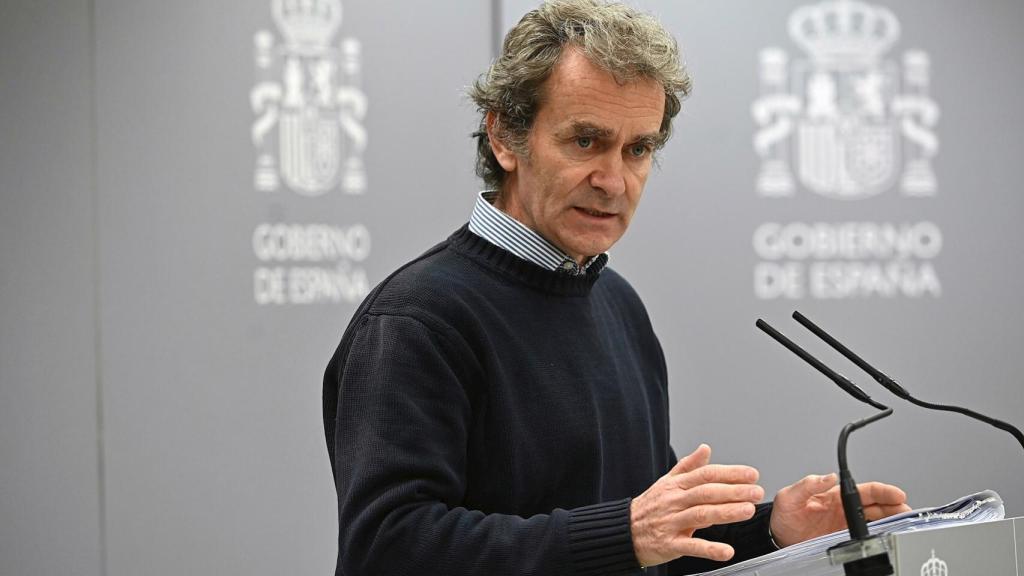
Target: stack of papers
column 810, row 558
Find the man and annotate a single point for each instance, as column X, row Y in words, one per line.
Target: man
column 499, row 405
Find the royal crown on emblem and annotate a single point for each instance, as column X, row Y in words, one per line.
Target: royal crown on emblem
column 934, row 567
column 844, row 31
column 307, row 25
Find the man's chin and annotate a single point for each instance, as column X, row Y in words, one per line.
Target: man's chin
column 589, row 249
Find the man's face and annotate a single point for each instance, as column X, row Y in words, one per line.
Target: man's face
column 589, row 156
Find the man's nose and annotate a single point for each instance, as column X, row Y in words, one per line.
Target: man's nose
column 608, row 174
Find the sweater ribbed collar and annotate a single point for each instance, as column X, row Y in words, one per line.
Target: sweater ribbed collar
column 515, row 268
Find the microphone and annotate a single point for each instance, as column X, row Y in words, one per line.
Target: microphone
column 894, row 387
column 863, row 554
column 842, row 381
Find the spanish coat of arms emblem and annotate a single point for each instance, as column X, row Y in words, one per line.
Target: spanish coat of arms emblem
column 309, row 90
column 844, row 118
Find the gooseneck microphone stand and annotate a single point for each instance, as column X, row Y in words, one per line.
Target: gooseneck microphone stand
column 894, row 387
column 863, row 554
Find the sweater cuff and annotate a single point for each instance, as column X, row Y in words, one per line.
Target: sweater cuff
column 601, row 539
column 755, row 534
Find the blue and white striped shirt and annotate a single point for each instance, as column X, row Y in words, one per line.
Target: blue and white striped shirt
column 504, row 231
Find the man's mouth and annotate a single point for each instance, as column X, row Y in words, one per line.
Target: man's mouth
column 595, row 213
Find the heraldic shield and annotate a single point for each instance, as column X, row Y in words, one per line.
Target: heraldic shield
column 845, row 116
column 309, row 90
column 310, row 149
column 848, row 144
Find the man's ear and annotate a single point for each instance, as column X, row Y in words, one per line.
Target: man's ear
column 506, row 157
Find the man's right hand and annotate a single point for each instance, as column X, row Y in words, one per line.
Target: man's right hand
column 693, row 495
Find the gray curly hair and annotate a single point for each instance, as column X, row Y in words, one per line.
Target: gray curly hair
column 627, row 43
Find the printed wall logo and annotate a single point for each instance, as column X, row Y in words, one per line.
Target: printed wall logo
column 309, row 90
column 310, row 139
column 851, row 126
column 840, row 116
column 934, row 567
column 294, row 258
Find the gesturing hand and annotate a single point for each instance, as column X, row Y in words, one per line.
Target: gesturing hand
column 693, row 495
column 812, row 507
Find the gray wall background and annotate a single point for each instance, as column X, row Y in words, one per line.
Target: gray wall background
column 155, row 419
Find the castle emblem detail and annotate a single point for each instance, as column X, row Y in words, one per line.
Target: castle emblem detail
column 845, row 121
column 308, row 132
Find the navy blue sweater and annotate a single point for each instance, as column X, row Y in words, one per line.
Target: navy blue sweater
column 486, row 416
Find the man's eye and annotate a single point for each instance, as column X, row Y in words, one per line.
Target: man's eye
column 639, row 150
column 584, row 141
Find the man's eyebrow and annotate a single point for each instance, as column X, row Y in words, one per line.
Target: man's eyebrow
column 580, row 128
column 584, row 129
column 654, row 140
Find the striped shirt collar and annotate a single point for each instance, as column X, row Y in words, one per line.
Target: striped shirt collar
column 504, row 231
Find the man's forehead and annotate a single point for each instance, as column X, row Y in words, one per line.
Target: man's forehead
column 583, row 92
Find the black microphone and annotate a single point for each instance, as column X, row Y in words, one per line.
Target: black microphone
column 842, row 381
column 894, row 387
column 863, row 554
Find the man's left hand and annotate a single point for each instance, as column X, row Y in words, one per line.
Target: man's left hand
column 812, row 507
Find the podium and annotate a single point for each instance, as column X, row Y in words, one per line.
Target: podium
column 993, row 548
column 968, row 537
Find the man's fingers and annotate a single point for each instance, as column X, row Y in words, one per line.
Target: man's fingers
column 711, row 514
column 880, row 493
column 700, row 548
column 718, row 494
column 718, row 473
column 699, row 457
column 808, row 487
column 877, row 512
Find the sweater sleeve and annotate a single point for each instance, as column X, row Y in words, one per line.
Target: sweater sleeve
column 399, row 442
